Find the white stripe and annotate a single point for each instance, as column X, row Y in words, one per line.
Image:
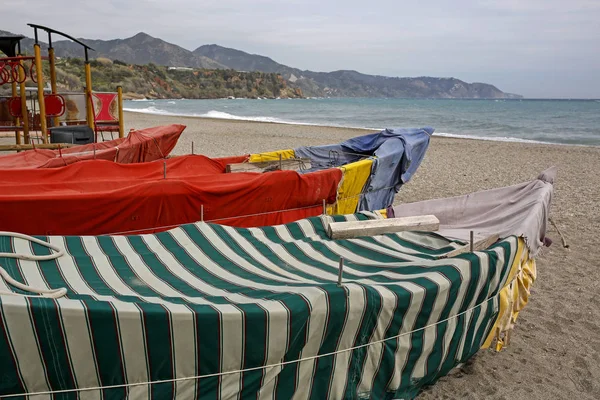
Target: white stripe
column 226, row 251
column 198, row 255
column 403, row 344
column 249, row 248
column 430, row 334
column 281, row 230
column 317, row 323
column 311, row 253
column 79, row 346
column 105, row 268
column 484, row 269
column 142, row 271
column 389, row 303
column 232, row 350
column 135, row 357
column 22, row 336
column 278, row 324
column 69, row 270
column 184, row 349
column 480, row 318
column 29, row 269
column 463, row 267
column 341, row 362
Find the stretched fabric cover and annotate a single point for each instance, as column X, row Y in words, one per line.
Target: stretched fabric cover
column 99, row 197
column 396, row 153
column 206, row 299
column 139, row 146
column 520, row 210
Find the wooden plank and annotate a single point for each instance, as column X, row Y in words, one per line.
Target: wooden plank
column 478, row 245
column 352, row 229
column 19, row 147
column 293, row 164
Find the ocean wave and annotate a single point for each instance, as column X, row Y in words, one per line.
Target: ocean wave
column 495, row 138
column 153, row 110
column 214, row 114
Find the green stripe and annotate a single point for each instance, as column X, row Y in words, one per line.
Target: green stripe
column 106, row 344
column 336, row 318
column 52, row 342
column 159, row 345
column 255, row 337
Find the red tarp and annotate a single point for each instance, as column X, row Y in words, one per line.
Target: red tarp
column 100, row 197
column 139, row 146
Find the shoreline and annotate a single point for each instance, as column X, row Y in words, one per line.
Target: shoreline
column 503, row 139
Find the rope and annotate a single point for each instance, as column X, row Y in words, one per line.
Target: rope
column 564, row 241
column 216, row 374
column 213, row 220
column 52, row 293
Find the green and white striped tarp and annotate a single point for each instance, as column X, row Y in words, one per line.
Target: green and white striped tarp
column 202, row 300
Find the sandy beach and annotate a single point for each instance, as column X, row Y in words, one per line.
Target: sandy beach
column 555, row 349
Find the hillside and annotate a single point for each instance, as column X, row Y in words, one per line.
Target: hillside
column 351, row 83
column 154, row 81
column 145, row 49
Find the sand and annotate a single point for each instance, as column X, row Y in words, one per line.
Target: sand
column 555, row 348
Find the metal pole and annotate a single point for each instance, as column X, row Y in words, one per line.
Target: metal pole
column 120, row 99
column 40, row 84
column 340, row 270
column 88, row 94
column 17, row 121
column 52, row 60
column 192, row 147
column 471, row 241
column 165, row 169
column 324, row 207
column 202, row 212
column 24, row 111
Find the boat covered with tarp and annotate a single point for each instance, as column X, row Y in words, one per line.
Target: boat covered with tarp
column 214, row 311
column 138, row 146
column 102, row 197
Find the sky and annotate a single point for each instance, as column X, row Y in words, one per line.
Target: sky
column 536, row 48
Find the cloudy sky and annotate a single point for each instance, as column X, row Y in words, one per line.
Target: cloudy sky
column 537, row 48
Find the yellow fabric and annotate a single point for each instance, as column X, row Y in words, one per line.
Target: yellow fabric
column 272, row 156
column 513, row 297
column 354, row 177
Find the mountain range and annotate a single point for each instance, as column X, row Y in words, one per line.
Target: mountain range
column 145, row 49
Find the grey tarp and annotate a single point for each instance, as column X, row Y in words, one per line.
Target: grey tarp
column 520, row 210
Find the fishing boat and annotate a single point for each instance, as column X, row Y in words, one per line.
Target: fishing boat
column 139, row 146
column 214, row 311
column 98, row 197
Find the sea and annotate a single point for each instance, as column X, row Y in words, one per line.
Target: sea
column 574, row 122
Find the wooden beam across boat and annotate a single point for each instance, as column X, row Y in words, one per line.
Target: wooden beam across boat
column 293, row 164
column 48, row 146
column 353, row 229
